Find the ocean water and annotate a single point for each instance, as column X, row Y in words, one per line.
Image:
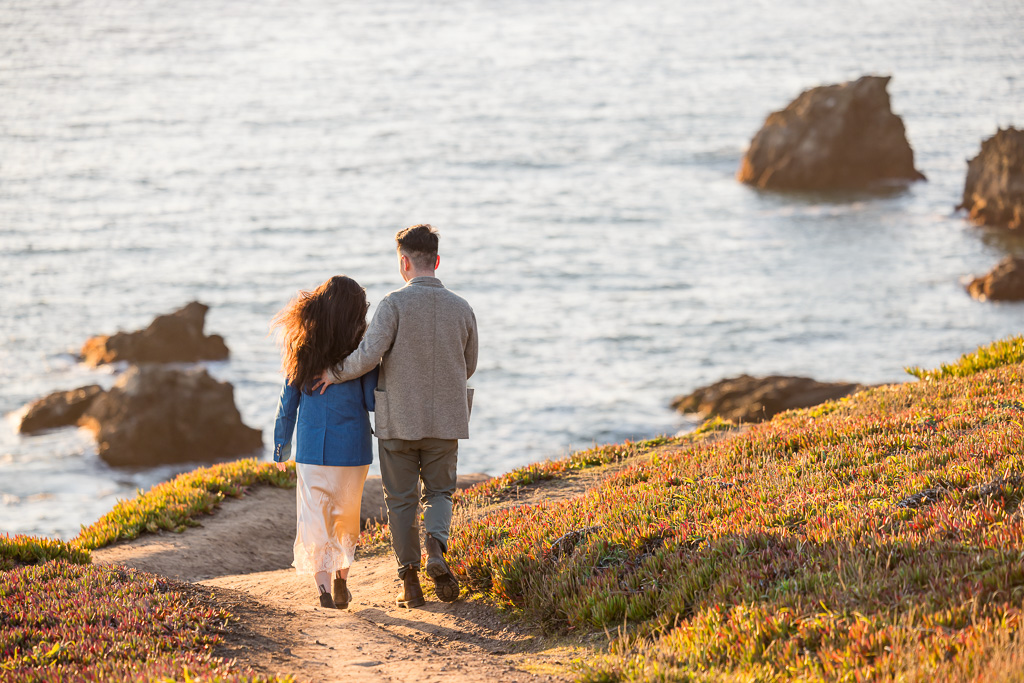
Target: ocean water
column 578, row 158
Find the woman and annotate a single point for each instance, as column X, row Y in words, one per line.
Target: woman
column 333, row 447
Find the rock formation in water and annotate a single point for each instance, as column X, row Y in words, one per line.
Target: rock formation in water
column 831, row 137
column 754, row 399
column 994, row 189
column 155, row 415
column 374, row 510
column 1005, row 282
column 59, row 409
column 173, row 338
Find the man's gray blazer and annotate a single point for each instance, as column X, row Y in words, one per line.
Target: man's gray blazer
column 425, row 338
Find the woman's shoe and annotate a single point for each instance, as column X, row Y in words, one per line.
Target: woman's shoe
column 342, row 595
column 325, row 599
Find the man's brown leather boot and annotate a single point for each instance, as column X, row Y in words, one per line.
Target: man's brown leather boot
column 446, row 586
column 412, row 596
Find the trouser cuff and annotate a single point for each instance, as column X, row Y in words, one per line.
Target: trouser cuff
column 401, row 570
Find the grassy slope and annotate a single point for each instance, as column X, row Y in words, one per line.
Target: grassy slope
column 61, row 621
column 175, row 504
column 61, row 618
column 796, row 549
column 876, row 537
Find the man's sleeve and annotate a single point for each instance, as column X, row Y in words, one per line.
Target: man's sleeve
column 379, row 337
column 472, row 346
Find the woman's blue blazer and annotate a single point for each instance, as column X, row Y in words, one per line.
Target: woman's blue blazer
column 333, row 427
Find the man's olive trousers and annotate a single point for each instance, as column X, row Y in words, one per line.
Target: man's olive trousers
column 402, row 465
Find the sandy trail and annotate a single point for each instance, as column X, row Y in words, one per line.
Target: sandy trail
column 242, row 555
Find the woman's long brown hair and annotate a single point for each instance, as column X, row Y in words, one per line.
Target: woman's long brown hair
column 320, row 329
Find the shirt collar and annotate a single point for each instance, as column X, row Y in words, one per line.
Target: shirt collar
column 426, row 281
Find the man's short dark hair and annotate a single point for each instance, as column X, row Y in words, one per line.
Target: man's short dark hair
column 419, row 243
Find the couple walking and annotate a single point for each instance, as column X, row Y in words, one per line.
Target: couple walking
column 410, row 368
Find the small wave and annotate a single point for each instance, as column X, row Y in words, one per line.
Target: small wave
column 507, row 164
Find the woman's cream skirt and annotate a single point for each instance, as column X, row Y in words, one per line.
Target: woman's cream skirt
column 327, row 500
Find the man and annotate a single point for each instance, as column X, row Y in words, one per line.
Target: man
column 425, row 339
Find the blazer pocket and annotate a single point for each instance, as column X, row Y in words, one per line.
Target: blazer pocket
column 469, row 399
column 381, row 417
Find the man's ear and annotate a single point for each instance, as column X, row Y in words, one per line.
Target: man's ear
column 437, row 263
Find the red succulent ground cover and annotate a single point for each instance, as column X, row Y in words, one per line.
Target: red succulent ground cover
column 877, row 537
column 377, row 537
column 20, row 550
column 174, row 505
column 504, row 486
column 63, row 619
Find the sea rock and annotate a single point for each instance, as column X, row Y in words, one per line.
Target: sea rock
column 831, row 137
column 155, row 415
column 753, row 399
column 374, row 510
column 59, row 409
column 994, row 189
column 173, row 338
column 1004, row 282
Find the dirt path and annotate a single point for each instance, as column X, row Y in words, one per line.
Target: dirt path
column 242, row 555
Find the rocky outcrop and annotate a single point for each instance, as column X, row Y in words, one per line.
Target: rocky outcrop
column 831, row 137
column 155, row 415
column 173, row 338
column 1005, row 282
column 754, row 399
column 373, row 509
column 994, row 190
column 59, row 409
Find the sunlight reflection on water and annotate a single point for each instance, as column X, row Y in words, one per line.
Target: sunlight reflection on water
column 579, row 161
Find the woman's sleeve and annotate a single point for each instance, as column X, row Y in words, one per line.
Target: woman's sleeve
column 369, row 382
column 284, row 423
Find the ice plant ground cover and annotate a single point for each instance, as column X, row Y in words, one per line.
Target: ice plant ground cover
column 377, row 538
column 996, row 354
column 877, row 537
column 21, row 550
column 171, row 506
column 175, row 504
column 62, row 619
